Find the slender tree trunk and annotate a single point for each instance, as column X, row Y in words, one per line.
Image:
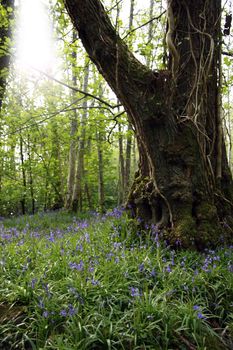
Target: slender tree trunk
column 134, row 161
column 46, row 195
column 150, row 31
column 6, row 17
column 88, row 195
column 121, row 189
column 24, row 182
column 100, row 173
column 127, row 170
column 175, row 116
column 77, row 192
column 73, row 136
column 56, row 169
column 31, row 176
column 128, row 152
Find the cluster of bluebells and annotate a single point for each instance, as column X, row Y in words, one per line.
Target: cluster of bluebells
column 69, row 311
column 135, row 292
column 115, row 213
column 200, row 315
column 85, row 256
column 77, row 266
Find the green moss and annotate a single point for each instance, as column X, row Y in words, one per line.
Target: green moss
column 206, row 211
column 185, row 231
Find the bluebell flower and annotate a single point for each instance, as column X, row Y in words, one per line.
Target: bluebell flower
column 109, row 256
column 75, row 266
column 134, row 292
column 40, row 303
column 117, row 245
column 63, row 313
column 51, row 237
column 45, row 314
column 79, row 247
column 33, row 282
column 71, row 310
column 153, row 273
column 141, row 267
column 21, row 242
column 46, row 288
column 87, row 237
column 94, row 282
column 196, row 307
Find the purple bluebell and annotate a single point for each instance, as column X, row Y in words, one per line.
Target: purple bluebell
column 75, row 266
column 196, row 307
column 134, row 292
column 94, row 282
column 141, row 267
column 79, row 247
column 63, row 313
column 41, row 303
column 45, row 314
column 71, row 310
column 33, row 283
column 200, row 315
column 153, row 273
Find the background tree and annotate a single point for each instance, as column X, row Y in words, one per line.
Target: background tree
column 184, row 183
column 6, row 22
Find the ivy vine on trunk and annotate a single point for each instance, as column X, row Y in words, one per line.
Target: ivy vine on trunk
column 183, row 184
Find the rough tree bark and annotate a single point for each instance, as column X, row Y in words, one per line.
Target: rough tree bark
column 183, row 184
column 6, row 17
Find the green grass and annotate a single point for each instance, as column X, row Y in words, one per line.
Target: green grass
column 94, row 283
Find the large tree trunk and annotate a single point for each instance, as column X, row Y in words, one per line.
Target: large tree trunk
column 184, row 184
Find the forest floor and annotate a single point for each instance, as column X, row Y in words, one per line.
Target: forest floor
column 98, row 283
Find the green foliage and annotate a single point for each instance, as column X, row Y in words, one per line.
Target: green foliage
column 72, row 283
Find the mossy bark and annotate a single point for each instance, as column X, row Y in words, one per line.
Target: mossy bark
column 175, row 118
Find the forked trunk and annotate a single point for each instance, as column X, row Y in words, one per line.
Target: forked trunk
column 183, row 184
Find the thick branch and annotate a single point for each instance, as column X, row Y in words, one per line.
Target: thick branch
column 123, row 72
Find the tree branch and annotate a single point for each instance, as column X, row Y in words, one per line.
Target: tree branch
column 144, row 24
column 227, row 53
column 120, row 68
column 87, row 94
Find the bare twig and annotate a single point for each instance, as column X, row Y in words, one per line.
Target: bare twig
column 144, row 24
column 76, row 89
column 112, row 128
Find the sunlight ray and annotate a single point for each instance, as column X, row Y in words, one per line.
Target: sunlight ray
column 34, row 38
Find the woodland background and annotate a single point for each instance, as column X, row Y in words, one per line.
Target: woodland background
column 63, row 148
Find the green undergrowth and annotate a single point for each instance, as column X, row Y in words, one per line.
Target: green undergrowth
column 96, row 283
